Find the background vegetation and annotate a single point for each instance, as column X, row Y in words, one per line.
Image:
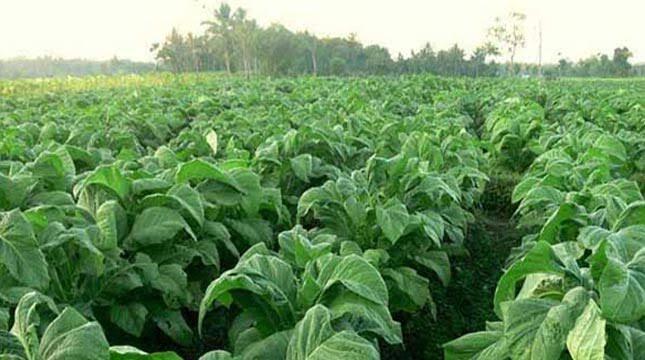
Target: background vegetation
column 233, row 42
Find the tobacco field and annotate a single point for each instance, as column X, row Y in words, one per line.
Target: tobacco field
column 415, row 217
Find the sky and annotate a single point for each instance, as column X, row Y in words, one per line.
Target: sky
column 102, row 29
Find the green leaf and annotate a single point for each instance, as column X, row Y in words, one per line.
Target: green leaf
column 264, row 282
column 565, row 213
column 220, row 234
column 200, row 170
column 356, row 274
column 155, row 225
column 113, row 224
column 173, row 284
column 622, row 289
column 408, row 291
column 132, row 353
column 109, row 177
column 314, row 339
column 27, row 320
column 173, row 324
column 272, row 347
column 217, row 355
column 310, row 198
column 302, row 166
column 19, row 251
column 364, row 316
column 537, row 328
column 14, row 190
column 4, row 318
column 612, row 147
column 70, row 336
column 252, row 231
column 634, row 214
column 483, row 345
column 10, row 347
column 541, row 259
column 392, row 218
column 190, row 201
column 438, row 262
column 131, row 317
column 587, row 339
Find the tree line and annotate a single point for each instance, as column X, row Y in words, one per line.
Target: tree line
column 48, row 66
column 234, row 43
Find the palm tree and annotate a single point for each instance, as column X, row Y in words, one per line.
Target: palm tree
column 221, row 28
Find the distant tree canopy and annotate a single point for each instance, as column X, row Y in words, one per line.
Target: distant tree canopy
column 599, row 65
column 57, row 67
column 235, row 43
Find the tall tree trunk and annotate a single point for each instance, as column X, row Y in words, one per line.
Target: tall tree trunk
column 314, row 63
column 513, row 62
column 227, row 61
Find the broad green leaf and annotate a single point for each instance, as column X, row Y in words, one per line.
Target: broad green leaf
column 113, row 223
column 220, row 234
column 408, row 291
column 392, row 218
column 302, row 166
column 539, row 260
column 131, row 317
column 252, row 231
column 155, row 225
column 264, row 282
column 272, row 347
column 438, row 262
column 132, row 353
column 633, row 215
column 356, row 274
column 587, row 339
column 549, row 339
column 173, row 284
column 622, row 289
column 70, row 336
column 110, row 177
column 27, row 320
column 167, row 158
column 201, row 170
column 150, row 185
column 217, row 355
column 551, row 229
column 190, row 200
column 19, row 251
column 4, row 318
column 309, row 198
column 314, row 339
column 173, row 324
column 14, row 190
column 365, row 316
column 483, row 345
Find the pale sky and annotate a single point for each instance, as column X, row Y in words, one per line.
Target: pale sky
column 101, row 29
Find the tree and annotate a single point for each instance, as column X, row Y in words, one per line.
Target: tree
column 620, row 61
column 221, row 28
column 478, row 58
column 245, row 33
column 312, row 46
column 563, row 67
column 509, row 35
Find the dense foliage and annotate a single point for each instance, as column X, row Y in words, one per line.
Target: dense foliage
column 302, row 218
